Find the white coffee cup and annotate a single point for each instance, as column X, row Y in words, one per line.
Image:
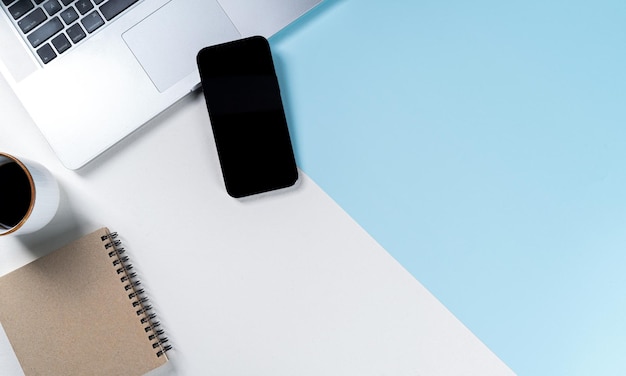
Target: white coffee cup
column 29, row 195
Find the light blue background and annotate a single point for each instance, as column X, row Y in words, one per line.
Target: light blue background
column 483, row 145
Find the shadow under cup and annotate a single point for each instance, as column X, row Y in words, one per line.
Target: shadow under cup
column 29, row 195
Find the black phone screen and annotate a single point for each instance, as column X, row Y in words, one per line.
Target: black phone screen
column 247, row 116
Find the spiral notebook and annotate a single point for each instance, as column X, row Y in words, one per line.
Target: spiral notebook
column 79, row 311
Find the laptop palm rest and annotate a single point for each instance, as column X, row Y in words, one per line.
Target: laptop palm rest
column 166, row 42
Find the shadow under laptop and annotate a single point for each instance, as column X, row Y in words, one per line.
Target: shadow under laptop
column 151, row 126
column 306, row 20
column 64, row 227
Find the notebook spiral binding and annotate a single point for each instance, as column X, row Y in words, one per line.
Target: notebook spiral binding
column 136, row 294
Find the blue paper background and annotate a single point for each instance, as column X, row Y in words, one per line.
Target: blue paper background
column 483, row 145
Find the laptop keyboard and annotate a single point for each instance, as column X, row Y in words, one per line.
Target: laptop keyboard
column 52, row 27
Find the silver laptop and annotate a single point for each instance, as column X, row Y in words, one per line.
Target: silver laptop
column 90, row 72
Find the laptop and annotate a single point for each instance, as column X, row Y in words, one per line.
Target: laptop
column 90, row 72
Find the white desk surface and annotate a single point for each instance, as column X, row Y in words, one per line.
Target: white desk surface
column 285, row 284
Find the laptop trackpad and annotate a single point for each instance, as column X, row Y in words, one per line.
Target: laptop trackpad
column 166, row 42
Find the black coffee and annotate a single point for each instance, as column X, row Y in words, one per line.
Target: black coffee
column 15, row 195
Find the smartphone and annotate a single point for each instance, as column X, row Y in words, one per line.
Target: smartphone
column 247, row 116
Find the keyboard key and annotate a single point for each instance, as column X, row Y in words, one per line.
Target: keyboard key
column 52, row 7
column 7, row 2
column 114, row 7
column 19, row 9
column 92, row 21
column 83, row 6
column 66, row 2
column 98, row 2
column 38, row 2
column 76, row 33
column 69, row 15
column 32, row 20
column 45, row 32
column 61, row 43
column 46, row 53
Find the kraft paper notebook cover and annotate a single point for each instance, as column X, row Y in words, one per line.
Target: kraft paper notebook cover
column 78, row 311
